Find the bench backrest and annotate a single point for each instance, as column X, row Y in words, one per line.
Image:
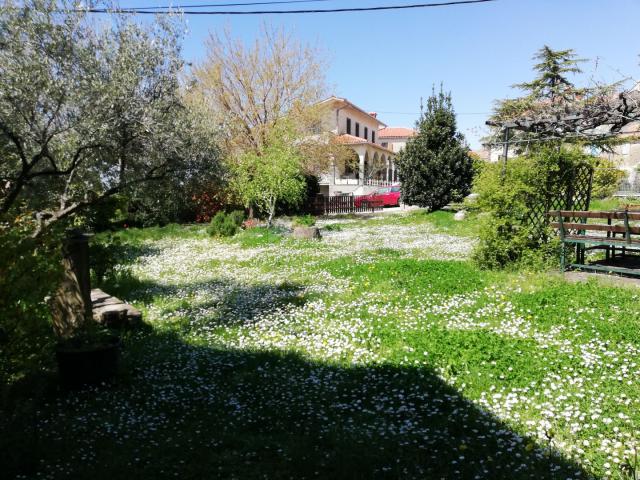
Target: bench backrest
column 578, row 227
column 613, row 214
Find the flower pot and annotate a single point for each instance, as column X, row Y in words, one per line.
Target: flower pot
column 88, row 365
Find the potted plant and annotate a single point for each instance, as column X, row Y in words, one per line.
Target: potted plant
column 89, row 356
column 304, row 227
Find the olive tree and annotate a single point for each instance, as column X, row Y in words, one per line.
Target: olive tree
column 88, row 109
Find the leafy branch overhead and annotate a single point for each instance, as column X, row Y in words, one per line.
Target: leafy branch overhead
column 555, row 108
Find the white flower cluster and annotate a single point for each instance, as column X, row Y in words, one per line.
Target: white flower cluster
column 581, row 400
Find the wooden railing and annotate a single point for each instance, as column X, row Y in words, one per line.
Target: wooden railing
column 325, row 205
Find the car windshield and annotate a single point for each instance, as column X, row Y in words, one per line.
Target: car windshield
column 382, row 190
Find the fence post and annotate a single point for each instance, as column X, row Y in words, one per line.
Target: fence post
column 564, row 245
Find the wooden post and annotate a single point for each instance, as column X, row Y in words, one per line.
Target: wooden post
column 608, row 251
column 627, row 231
column 562, row 252
column 71, row 305
column 77, row 252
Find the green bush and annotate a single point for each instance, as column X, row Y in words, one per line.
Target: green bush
column 305, row 221
column 225, row 225
column 237, row 217
column 106, row 214
column 29, row 272
column 507, row 244
column 435, row 166
column 606, row 178
column 507, row 236
column 105, row 255
column 333, row 227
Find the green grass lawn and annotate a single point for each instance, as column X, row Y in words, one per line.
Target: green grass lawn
column 378, row 352
column 608, row 203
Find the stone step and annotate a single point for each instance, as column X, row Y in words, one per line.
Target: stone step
column 113, row 312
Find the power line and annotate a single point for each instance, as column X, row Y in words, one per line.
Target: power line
column 280, row 12
column 218, row 5
column 418, row 113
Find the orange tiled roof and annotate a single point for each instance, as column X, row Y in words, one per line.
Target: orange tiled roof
column 394, row 132
column 347, row 139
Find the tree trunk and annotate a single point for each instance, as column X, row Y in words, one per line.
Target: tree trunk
column 272, row 211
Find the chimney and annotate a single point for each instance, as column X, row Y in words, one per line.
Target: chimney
column 373, row 114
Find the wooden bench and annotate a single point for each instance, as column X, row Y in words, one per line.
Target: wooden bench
column 619, row 237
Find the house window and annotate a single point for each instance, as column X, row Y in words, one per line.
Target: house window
column 366, row 133
column 373, row 136
column 348, row 126
column 385, row 144
column 357, row 129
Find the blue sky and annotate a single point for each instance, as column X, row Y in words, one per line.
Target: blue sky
column 385, row 61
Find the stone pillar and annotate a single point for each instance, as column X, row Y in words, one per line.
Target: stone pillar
column 71, row 305
column 361, row 169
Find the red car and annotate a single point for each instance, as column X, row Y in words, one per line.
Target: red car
column 388, row 197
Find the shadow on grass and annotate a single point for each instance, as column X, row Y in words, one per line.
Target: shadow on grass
column 186, row 411
column 218, row 302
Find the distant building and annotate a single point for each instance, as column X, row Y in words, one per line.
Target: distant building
column 626, row 155
column 360, row 130
column 395, row 138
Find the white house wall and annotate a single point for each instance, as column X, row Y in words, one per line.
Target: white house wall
column 335, row 120
column 395, row 145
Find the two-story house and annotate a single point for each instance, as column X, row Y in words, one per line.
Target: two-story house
column 395, row 138
column 372, row 165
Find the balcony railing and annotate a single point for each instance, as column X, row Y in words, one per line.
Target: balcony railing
column 378, row 183
column 346, row 181
column 628, row 188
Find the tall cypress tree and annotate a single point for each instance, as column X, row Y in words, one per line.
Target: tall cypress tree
column 435, row 167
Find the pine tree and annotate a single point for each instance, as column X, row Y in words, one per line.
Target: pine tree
column 435, row 167
column 551, row 93
column 552, row 82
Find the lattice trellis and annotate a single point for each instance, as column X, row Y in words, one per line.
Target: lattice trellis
column 570, row 190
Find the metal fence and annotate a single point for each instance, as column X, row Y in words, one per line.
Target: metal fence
column 628, row 188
